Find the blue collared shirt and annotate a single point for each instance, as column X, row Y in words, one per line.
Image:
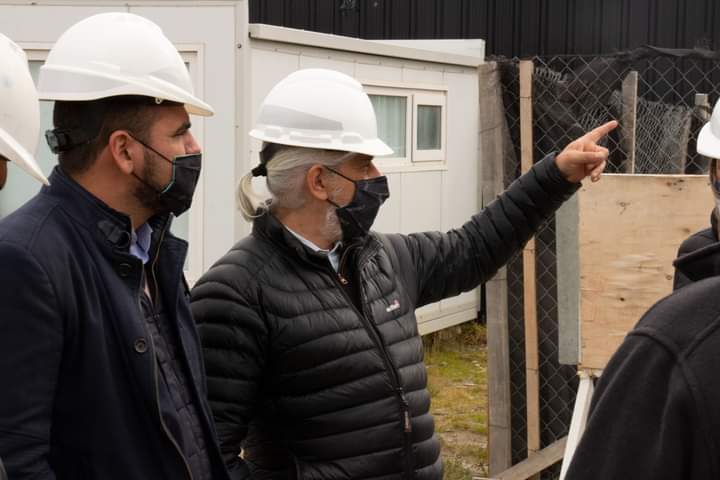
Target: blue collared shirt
column 333, row 254
column 140, row 242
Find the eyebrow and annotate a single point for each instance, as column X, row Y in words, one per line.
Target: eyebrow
column 183, row 128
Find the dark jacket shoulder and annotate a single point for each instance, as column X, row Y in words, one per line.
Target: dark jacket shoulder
column 681, row 320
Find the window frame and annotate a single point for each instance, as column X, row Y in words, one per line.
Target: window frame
column 416, row 94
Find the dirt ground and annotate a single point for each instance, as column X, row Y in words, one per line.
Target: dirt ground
column 456, row 361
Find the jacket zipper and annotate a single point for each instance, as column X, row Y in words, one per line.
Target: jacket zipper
column 154, row 358
column 404, row 405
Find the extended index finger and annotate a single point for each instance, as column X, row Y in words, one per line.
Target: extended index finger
column 601, row 131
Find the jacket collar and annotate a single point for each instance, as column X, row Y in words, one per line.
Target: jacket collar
column 701, row 263
column 93, row 213
column 269, row 227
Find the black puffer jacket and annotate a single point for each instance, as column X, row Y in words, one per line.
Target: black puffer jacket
column 314, row 388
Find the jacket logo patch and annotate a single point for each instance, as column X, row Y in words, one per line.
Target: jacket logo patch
column 393, row 306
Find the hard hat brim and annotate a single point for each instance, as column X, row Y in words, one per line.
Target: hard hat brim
column 372, row 148
column 78, row 81
column 16, row 153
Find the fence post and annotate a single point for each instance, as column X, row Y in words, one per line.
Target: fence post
column 493, row 133
column 629, row 119
column 529, row 287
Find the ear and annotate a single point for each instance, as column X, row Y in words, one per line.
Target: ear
column 3, row 171
column 125, row 152
column 316, row 182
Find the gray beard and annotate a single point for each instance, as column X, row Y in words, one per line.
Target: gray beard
column 331, row 229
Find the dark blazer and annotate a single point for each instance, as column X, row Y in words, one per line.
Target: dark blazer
column 78, row 369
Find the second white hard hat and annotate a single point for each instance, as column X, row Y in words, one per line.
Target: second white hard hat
column 19, row 110
column 708, row 142
column 319, row 108
column 113, row 54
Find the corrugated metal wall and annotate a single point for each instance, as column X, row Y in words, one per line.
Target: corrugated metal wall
column 511, row 27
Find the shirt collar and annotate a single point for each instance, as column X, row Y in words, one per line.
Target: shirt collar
column 333, row 254
column 140, row 242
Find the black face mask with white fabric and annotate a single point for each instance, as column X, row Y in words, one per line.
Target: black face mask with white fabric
column 176, row 196
column 357, row 217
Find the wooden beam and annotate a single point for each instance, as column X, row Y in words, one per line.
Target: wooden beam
column 629, row 119
column 493, row 134
column 499, row 406
column 535, row 463
column 532, row 371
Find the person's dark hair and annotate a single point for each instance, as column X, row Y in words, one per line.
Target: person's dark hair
column 91, row 123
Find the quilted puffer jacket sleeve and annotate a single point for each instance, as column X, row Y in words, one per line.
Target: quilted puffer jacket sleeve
column 234, row 363
column 447, row 264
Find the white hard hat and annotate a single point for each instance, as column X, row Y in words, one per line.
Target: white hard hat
column 113, row 54
column 19, row 110
column 318, row 108
column 708, row 142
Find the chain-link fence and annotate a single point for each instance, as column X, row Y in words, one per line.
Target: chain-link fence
column 572, row 94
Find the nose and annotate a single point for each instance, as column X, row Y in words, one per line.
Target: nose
column 373, row 171
column 191, row 145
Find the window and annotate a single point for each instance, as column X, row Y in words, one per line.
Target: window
column 21, row 187
column 412, row 121
column 392, row 121
column 429, row 113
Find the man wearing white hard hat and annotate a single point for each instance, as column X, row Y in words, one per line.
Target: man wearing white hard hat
column 19, row 112
column 692, row 261
column 19, row 121
column 654, row 412
column 308, row 325
column 101, row 362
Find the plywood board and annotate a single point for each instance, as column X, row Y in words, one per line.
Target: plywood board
column 630, row 227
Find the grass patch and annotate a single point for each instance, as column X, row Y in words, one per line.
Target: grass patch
column 456, row 361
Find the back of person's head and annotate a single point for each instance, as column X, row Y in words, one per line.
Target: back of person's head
column 19, row 110
column 285, row 169
column 82, row 129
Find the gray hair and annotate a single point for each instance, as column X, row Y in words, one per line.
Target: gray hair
column 286, row 171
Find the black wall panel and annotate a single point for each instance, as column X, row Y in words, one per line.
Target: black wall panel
column 510, row 27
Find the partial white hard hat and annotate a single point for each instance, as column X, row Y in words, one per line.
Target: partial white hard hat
column 19, row 110
column 708, row 142
column 318, row 108
column 113, row 54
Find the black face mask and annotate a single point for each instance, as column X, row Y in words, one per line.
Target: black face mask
column 176, row 196
column 357, row 217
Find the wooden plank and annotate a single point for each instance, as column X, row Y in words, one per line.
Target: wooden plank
column 629, row 119
column 579, row 419
column 499, row 402
column 704, row 108
column 493, row 130
column 532, row 370
column 630, row 227
column 535, row 463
